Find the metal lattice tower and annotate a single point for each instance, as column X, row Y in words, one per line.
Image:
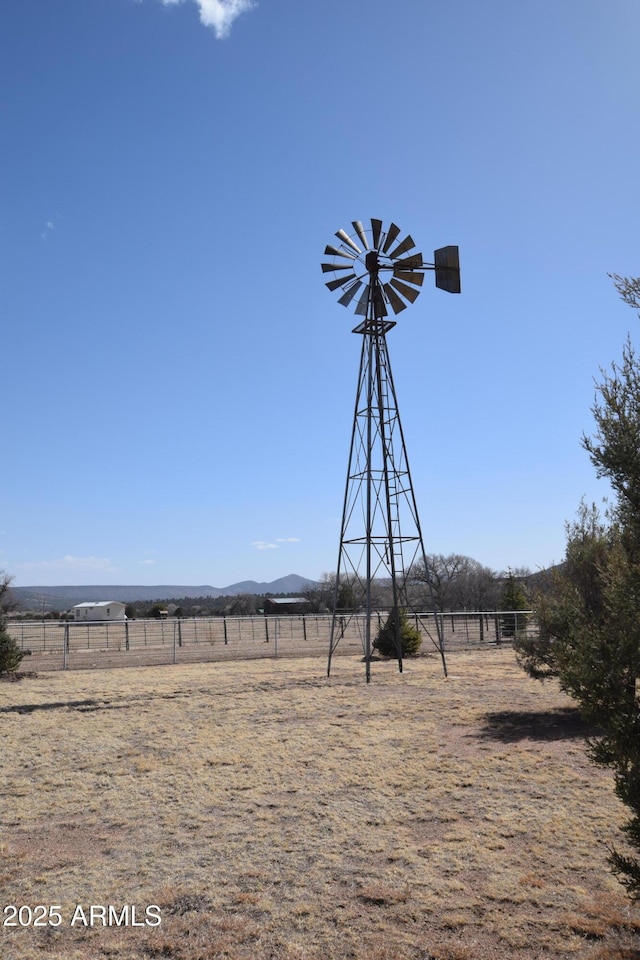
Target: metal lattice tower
column 380, row 537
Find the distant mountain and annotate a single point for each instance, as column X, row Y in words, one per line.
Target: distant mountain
column 63, row 597
column 291, row 584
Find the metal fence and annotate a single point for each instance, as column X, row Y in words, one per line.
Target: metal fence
column 119, row 643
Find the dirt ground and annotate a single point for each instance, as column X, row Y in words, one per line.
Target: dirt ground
column 259, row 811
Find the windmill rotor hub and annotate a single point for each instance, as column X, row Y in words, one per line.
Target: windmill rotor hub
column 372, row 264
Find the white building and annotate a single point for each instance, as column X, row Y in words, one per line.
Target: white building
column 105, row 610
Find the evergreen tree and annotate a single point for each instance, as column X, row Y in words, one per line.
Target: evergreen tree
column 513, row 600
column 386, row 639
column 10, row 653
column 590, row 614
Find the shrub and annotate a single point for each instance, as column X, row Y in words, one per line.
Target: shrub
column 410, row 636
column 10, row 653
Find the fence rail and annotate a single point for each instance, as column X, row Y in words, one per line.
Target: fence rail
column 118, row 643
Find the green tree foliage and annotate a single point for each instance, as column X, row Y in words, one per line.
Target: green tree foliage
column 568, row 600
column 386, row 639
column 157, row 612
column 10, row 653
column 513, row 600
column 589, row 613
column 615, row 448
column 589, row 639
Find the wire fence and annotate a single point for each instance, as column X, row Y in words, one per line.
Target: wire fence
column 96, row 644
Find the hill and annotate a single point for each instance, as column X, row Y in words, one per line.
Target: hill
column 63, row 597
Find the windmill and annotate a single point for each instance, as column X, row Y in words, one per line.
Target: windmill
column 381, row 541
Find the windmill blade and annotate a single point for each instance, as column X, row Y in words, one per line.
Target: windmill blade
column 363, row 302
column 359, row 229
column 396, row 303
column 339, row 282
column 341, row 235
column 415, row 260
column 406, row 291
column 409, row 276
column 330, row 251
column 376, row 230
column 391, row 236
column 402, row 248
column 329, row 267
column 347, row 297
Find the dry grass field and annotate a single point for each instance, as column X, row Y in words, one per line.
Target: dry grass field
column 274, row 814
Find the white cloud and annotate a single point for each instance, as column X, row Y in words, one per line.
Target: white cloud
column 147, row 563
column 219, row 14
column 262, row 545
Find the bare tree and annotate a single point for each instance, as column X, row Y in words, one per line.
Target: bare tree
column 628, row 288
column 456, row 582
column 6, row 599
column 321, row 596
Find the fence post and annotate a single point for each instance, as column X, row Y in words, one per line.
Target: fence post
column 179, row 633
column 266, row 630
column 224, row 625
column 126, row 634
column 304, row 627
column 65, row 646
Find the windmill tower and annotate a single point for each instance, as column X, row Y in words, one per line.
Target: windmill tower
column 380, row 535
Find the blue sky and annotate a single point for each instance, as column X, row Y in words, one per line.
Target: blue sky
column 178, row 383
